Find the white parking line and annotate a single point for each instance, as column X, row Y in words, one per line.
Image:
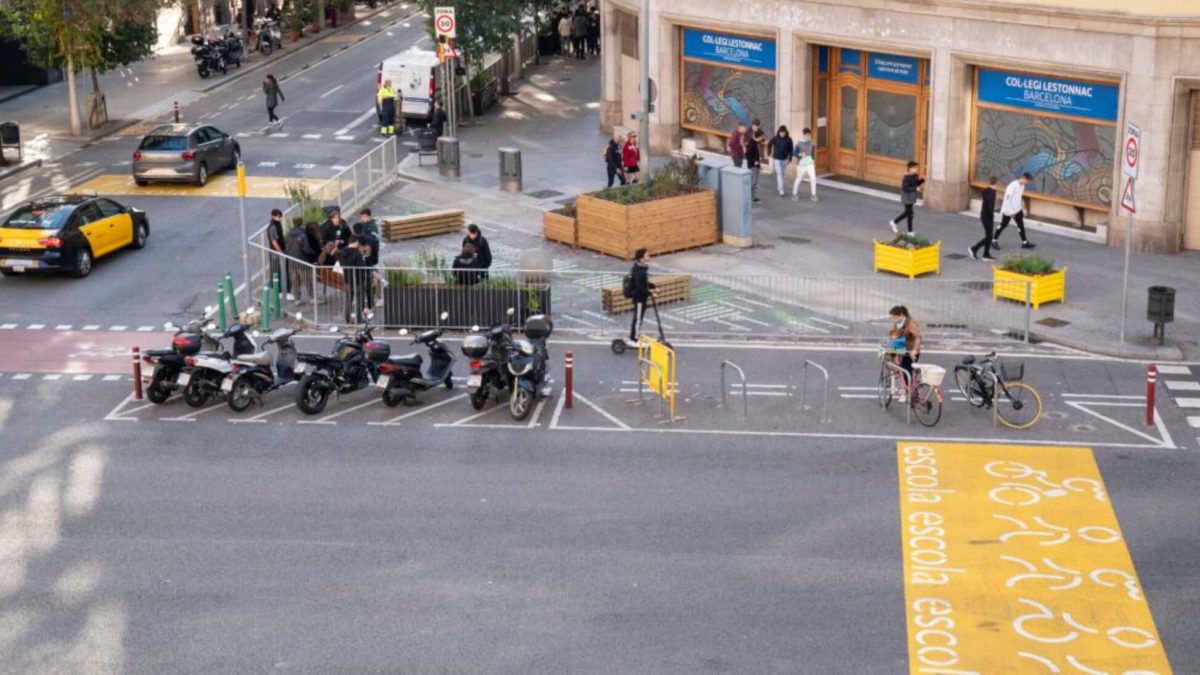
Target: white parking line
column 22, row 376
column 327, row 418
column 395, row 421
column 1182, row 385
column 260, row 418
column 191, row 417
column 1174, row 370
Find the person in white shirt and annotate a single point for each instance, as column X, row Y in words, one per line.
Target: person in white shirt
column 1013, row 208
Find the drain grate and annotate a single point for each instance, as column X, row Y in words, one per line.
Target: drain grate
column 955, row 256
column 544, row 194
column 978, row 285
column 1051, row 322
column 795, row 240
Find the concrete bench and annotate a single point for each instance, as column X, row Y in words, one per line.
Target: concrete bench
column 428, row 224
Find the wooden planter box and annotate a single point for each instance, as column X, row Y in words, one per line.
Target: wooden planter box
column 1042, row 289
column 670, row 287
column 910, row 263
column 660, row 226
column 422, row 306
column 560, row 228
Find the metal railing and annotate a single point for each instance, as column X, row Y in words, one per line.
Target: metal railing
column 745, row 392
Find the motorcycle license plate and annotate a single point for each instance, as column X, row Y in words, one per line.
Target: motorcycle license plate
column 475, row 381
column 227, row 385
column 382, row 383
column 183, row 379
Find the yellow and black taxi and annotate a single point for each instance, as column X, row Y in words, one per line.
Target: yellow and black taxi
column 68, row 233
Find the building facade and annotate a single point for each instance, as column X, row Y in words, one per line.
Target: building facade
column 967, row 88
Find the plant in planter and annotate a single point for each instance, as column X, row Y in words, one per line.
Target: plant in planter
column 561, row 225
column 306, row 202
column 908, row 255
column 294, row 20
column 483, row 91
column 1031, row 278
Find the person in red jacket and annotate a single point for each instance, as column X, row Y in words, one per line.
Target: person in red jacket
column 630, row 156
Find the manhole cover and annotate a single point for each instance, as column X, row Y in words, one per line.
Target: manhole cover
column 796, row 240
column 1052, row 322
column 1055, row 415
column 544, row 194
column 978, row 285
column 955, row 256
column 1083, row 428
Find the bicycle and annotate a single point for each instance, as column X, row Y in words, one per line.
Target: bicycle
column 923, row 390
column 1018, row 406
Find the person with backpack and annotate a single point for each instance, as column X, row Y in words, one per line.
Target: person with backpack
column 639, row 289
column 910, row 188
column 780, row 146
column 612, row 159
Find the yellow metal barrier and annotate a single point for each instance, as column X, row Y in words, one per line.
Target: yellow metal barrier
column 656, row 370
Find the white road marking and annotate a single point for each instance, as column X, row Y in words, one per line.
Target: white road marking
column 332, row 90
column 828, row 323
column 191, row 417
column 395, row 421
column 1194, row 422
column 339, row 167
column 52, row 377
column 340, row 132
column 1165, row 441
column 471, row 418
column 36, row 326
column 1174, row 370
column 63, row 326
column 1188, row 402
column 8, row 326
column 1101, row 396
column 86, row 163
column 260, row 418
column 81, row 378
column 279, row 134
column 91, row 327
column 343, row 137
column 327, row 418
column 313, row 137
column 22, row 376
column 303, row 166
column 118, row 328
column 604, row 413
column 537, row 414
column 1182, row 385
column 145, row 329
column 112, row 378
column 268, row 164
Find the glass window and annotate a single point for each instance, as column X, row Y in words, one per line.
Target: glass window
column 164, row 143
column 848, row 123
column 823, row 112
column 88, row 213
column 40, row 216
column 108, row 208
column 891, row 124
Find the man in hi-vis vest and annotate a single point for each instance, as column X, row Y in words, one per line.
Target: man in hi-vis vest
column 387, row 109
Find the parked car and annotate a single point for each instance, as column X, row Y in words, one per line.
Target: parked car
column 67, row 233
column 184, row 153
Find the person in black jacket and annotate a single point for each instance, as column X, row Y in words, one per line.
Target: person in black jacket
column 642, row 290
column 780, row 146
column 612, row 158
column 358, row 282
column 334, row 229
column 910, row 187
column 754, row 162
column 482, row 249
column 438, row 123
column 278, row 245
column 466, row 266
column 987, row 215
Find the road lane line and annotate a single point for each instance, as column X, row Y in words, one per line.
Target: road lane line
column 332, row 90
column 327, row 419
column 358, row 120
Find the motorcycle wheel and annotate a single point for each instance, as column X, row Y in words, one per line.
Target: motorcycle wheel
column 392, row 399
column 194, row 395
column 449, row 381
column 156, row 392
column 266, row 48
column 310, row 398
column 203, row 72
column 521, row 404
column 243, row 394
column 479, row 399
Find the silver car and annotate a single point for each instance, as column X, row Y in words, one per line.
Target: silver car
column 183, row 153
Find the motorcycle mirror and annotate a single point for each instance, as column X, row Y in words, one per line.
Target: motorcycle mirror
column 445, row 315
column 168, row 326
column 511, row 311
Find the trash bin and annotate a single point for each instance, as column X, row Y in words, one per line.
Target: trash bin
column 10, row 137
column 448, row 157
column 427, row 139
column 510, row 169
column 1160, row 310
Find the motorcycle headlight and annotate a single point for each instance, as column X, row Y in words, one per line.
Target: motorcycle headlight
column 520, row 370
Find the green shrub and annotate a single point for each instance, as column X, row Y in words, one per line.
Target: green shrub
column 497, row 283
column 1030, row 265
column 404, row 278
column 910, row 242
column 675, row 178
column 569, row 210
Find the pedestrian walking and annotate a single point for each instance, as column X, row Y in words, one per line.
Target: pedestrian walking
column 386, row 97
column 593, row 34
column 565, row 26
column 780, row 148
column 299, row 252
column 806, row 166
column 910, row 187
column 482, row 248
column 631, row 157
column 613, row 161
column 439, row 119
column 1013, row 208
column 754, row 162
column 579, row 33
column 274, row 96
column 466, row 266
column 737, row 145
column 276, row 242
column 369, row 226
column 987, row 216
column 755, row 128
column 640, row 290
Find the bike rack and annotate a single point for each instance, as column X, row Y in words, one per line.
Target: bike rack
column 897, row 370
column 995, row 399
column 745, row 394
column 804, row 389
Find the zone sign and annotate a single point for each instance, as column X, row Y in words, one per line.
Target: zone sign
column 1132, row 149
column 444, row 23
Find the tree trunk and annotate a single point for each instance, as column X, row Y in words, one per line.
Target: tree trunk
column 505, row 73
column 72, row 95
column 319, row 15
column 470, row 99
column 92, row 122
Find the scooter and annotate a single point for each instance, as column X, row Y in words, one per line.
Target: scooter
column 528, row 358
column 267, row 36
column 207, row 370
column 488, row 353
column 169, row 364
column 400, row 377
column 619, row 345
column 256, row 374
column 231, row 49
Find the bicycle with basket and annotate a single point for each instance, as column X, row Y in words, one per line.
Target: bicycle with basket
column 922, row 391
column 990, row 382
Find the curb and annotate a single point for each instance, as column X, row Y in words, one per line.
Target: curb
column 1167, row 352
column 30, row 88
column 22, row 168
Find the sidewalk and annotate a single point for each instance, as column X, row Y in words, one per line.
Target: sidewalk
column 148, row 90
column 554, row 120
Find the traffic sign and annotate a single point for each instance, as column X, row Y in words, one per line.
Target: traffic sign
column 1127, row 201
column 1133, row 147
column 444, row 23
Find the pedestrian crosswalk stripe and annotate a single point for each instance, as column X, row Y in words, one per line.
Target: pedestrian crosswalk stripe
column 1174, row 370
column 268, row 163
column 119, row 328
column 145, row 329
column 8, row 326
column 344, row 138
column 339, row 167
column 63, row 326
column 112, row 378
column 22, row 376
column 1194, row 422
column 82, row 378
column 279, row 134
column 36, row 326
column 91, row 327
column 304, row 166
column 1182, row 385
column 52, row 376
column 312, row 136
column 1188, row 402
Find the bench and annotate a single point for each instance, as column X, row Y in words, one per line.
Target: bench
column 670, row 287
column 428, row 224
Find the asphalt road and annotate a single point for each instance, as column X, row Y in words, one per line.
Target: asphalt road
column 444, row 542
column 328, row 123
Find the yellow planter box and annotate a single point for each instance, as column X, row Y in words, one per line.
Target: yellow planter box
column 909, row 263
column 1046, row 288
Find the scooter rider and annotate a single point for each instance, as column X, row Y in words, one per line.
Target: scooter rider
column 641, row 290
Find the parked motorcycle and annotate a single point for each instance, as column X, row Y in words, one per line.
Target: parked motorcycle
column 344, row 371
column 400, row 377
column 205, row 371
column 232, row 49
column 267, row 36
column 168, row 365
column 208, row 58
column 528, row 360
column 254, row 375
column 488, row 353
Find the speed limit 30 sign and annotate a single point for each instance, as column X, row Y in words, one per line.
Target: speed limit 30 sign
column 1133, row 148
column 443, row 22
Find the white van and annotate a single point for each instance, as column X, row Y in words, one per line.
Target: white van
column 414, row 76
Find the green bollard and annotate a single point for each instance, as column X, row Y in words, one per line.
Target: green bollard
column 278, row 295
column 221, row 307
column 233, row 308
column 264, row 322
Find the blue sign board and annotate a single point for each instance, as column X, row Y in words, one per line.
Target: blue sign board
column 730, row 50
column 1050, row 94
column 892, row 67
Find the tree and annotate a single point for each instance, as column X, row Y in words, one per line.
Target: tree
column 483, row 26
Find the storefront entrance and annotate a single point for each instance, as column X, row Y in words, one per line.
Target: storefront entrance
column 871, row 113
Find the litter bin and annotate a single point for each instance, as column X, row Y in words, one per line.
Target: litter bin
column 427, row 138
column 1160, row 310
column 510, row 169
column 448, row 157
column 10, row 137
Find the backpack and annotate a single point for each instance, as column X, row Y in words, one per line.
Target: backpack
column 627, row 286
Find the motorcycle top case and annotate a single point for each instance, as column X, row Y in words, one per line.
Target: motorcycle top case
column 475, row 346
column 186, row 344
column 377, row 352
column 197, row 39
column 538, row 327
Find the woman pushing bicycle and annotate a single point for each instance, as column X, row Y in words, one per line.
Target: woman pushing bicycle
column 905, row 334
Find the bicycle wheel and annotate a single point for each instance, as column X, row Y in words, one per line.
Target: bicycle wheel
column 1018, row 405
column 966, row 384
column 926, row 404
column 885, row 387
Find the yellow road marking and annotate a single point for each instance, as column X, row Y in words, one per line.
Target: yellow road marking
column 1014, row 563
column 266, row 187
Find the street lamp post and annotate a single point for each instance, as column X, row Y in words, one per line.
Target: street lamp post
column 644, row 60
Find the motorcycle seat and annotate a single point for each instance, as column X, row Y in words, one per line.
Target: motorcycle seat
column 409, row 360
column 255, row 359
column 158, row 353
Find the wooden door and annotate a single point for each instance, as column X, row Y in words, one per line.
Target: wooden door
column 1191, row 218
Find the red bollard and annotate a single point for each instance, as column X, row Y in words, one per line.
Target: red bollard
column 568, row 398
column 137, row 373
column 1151, row 380
column 177, row 112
